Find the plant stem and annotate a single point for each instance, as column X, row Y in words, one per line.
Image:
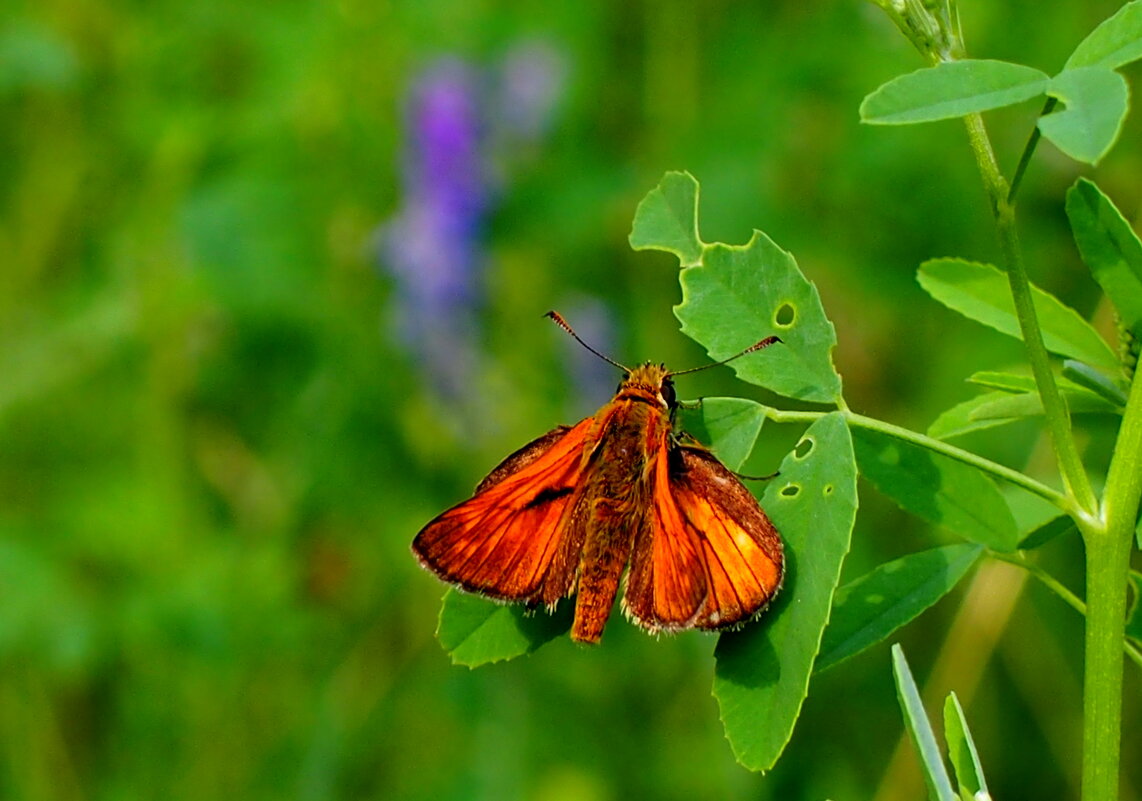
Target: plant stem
column 1058, row 421
column 1058, row 499
column 1108, row 568
column 1028, row 150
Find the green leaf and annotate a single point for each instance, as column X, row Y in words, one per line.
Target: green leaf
column 1044, row 533
column 980, row 292
column 667, row 219
column 738, row 295
column 937, row 489
column 1029, row 404
column 959, row 419
column 762, row 672
column 1096, row 103
column 1031, row 512
column 1024, row 398
column 1110, row 248
column 475, row 631
column 728, row 426
column 1019, row 397
column 997, row 408
column 873, row 606
column 962, row 750
column 952, row 89
column 734, row 296
column 1117, row 41
column 1085, row 376
column 935, row 773
column 1007, row 382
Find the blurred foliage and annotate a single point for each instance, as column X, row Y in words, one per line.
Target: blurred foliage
column 216, row 443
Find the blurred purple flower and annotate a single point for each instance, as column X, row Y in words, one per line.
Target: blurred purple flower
column 434, row 246
column 531, row 83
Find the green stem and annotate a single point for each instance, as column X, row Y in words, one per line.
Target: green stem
column 1108, row 573
column 1053, row 496
column 1065, row 595
column 1058, row 420
column 1028, row 150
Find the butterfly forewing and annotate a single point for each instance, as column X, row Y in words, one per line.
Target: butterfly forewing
column 502, row 541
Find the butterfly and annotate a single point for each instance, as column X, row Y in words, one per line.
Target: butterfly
column 566, row 514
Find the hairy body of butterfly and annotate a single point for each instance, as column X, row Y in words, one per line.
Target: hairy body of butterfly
column 568, row 512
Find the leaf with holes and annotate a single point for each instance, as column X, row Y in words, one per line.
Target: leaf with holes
column 734, row 296
column 762, row 672
column 937, row 489
column 728, row 426
column 739, row 295
column 870, row 608
column 476, row 631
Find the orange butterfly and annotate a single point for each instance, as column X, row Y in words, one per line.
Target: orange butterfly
column 566, row 513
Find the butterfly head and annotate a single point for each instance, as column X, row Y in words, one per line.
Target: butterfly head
column 651, row 382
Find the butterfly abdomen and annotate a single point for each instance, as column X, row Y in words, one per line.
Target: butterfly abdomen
column 617, row 498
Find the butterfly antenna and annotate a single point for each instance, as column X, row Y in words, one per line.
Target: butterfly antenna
column 559, row 321
column 765, row 343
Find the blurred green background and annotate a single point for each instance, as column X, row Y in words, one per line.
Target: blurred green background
column 271, row 278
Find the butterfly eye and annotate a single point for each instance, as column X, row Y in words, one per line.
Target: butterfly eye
column 668, row 394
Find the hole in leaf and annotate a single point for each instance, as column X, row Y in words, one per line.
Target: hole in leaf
column 804, row 447
column 828, row 489
column 791, row 491
column 785, row 315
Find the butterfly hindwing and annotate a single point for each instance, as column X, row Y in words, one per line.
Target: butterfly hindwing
column 707, row 557
column 742, row 550
column 503, row 540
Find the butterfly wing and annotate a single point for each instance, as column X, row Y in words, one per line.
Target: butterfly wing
column 503, row 541
column 708, row 557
